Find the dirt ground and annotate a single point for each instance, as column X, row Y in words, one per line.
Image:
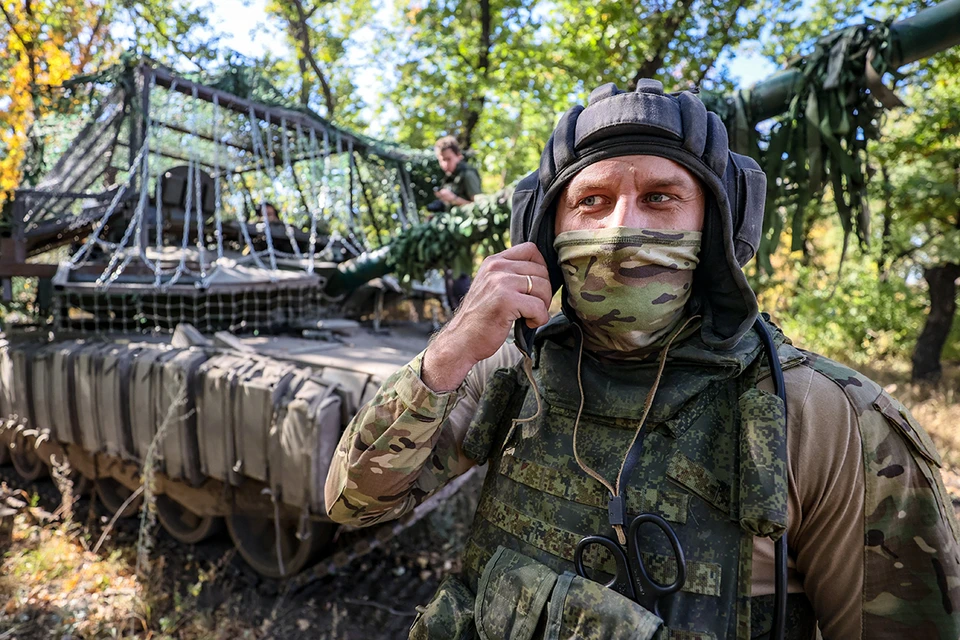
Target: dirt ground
column 56, row 584
column 206, row 591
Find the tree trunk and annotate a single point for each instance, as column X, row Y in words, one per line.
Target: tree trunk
column 471, row 121
column 305, row 85
column 475, row 103
column 668, row 29
column 942, row 281
column 301, row 32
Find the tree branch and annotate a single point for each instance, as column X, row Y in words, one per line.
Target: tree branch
column 160, row 31
column 27, row 44
column 13, row 26
column 667, row 33
column 304, row 82
column 909, row 252
column 302, row 33
column 483, row 67
column 85, row 49
column 725, row 33
column 463, row 56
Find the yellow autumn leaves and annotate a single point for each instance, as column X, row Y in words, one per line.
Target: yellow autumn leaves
column 44, row 43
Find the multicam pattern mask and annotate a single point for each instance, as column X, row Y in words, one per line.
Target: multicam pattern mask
column 628, row 287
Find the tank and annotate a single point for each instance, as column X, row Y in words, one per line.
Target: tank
column 218, row 309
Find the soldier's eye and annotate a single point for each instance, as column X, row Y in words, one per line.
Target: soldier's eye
column 590, row 201
column 658, row 198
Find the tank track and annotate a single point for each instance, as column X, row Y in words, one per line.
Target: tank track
column 360, row 542
column 349, row 545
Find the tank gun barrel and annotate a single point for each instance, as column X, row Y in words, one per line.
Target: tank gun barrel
column 353, row 273
column 930, row 31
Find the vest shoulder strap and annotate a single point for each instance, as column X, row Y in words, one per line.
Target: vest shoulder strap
column 860, row 390
column 499, row 404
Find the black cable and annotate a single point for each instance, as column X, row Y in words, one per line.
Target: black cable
column 777, row 630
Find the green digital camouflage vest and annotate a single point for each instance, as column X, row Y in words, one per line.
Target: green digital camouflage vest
column 713, row 465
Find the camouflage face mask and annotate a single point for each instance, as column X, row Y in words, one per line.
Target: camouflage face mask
column 628, row 287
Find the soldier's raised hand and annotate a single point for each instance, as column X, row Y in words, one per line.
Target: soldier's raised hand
column 510, row 285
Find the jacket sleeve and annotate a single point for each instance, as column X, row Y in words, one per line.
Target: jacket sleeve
column 874, row 536
column 403, row 446
column 471, row 184
column 911, row 584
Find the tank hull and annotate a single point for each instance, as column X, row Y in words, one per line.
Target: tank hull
column 243, row 432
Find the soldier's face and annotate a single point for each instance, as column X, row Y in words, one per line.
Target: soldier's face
column 448, row 160
column 643, row 192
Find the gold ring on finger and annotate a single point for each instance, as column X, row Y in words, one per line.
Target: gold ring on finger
column 529, row 285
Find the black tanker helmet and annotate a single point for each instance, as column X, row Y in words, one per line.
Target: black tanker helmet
column 676, row 126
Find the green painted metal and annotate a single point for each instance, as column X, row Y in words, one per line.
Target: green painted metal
column 353, row 273
column 928, row 32
column 920, row 36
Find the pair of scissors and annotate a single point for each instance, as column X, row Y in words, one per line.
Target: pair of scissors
column 632, row 578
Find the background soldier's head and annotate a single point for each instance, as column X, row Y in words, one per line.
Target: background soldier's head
column 448, row 153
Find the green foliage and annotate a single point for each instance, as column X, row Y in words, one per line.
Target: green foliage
column 454, row 239
column 172, row 32
column 319, row 34
column 22, row 307
column 859, row 318
column 498, row 73
column 680, row 43
column 874, row 307
column 799, row 23
column 920, row 169
column 469, row 69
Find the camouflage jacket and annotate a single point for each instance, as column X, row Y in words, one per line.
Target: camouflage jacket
column 464, row 182
column 873, row 540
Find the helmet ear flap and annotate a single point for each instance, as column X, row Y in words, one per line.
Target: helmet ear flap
column 693, row 115
column 746, row 187
column 561, row 147
column 526, row 199
column 716, row 149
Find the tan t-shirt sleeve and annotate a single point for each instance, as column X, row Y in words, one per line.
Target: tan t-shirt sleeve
column 405, row 444
column 473, row 387
column 826, row 505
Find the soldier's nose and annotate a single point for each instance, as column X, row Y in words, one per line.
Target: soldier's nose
column 627, row 213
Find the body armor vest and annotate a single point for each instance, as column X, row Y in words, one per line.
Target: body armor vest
column 705, row 468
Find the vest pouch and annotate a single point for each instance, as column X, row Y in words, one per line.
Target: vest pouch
column 448, row 616
column 511, row 596
column 763, row 464
column 499, row 402
column 923, row 450
column 801, row 618
column 587, row 610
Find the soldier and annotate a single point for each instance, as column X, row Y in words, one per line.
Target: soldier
column 651, row 394
column 461, row 184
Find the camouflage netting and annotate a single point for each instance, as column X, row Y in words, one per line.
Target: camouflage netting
column 453, row 239
column 822, row 138
column 100, row 124
column 155, row 181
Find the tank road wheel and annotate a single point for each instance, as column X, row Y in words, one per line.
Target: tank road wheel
column 112, row 495
column 183, row 524
column 256, row 539
column 82, row 485
column 23, row 455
